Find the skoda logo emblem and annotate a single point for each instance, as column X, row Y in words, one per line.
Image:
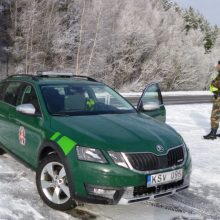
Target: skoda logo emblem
column 160, row 148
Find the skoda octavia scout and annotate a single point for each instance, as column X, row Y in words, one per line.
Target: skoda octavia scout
column 87, row 143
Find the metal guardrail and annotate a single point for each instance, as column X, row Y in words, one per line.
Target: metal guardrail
column 177, row 99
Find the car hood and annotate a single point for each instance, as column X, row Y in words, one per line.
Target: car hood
column 118, row 132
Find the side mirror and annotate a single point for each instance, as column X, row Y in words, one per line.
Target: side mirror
column 151, row 103
column 27, row 109
column 151, row 106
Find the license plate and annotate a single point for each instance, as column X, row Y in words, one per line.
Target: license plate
column 162, row 178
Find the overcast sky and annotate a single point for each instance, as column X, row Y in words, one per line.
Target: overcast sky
column 209, row 8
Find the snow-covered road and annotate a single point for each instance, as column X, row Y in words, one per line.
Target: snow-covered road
column 19, row 198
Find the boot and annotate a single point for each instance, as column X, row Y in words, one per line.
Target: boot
column 211, row 135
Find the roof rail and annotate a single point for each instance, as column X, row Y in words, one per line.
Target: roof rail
column 86, row 77
column 52, row 74
column 48, row 74
column 23, row 75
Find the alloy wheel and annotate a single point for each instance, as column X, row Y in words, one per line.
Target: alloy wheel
column 54, row 183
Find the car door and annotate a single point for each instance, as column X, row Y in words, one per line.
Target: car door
column 7, row 112
column 4, row 108
column 151, row 103
column 29, row 127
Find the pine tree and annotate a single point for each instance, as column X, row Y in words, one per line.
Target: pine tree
column 194, row 20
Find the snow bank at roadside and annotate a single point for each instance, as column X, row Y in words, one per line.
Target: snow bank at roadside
column 178, row 93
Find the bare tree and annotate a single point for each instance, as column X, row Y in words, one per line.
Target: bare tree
column 80, row 38
column 95, row 38
column 48, row 30
column 125, row 43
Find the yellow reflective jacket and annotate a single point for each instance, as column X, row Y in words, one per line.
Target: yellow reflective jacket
column 215, row 85
column 213, row 89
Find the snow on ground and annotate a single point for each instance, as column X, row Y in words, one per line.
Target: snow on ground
column 19, row 198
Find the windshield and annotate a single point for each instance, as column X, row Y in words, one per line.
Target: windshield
column 84, row 99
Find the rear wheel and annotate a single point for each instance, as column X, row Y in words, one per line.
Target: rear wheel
column 2, row 151
column 52, row 184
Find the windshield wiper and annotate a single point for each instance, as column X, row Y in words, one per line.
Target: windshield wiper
column 87, row 113
column 60, row 114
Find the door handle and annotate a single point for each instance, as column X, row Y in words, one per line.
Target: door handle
column 12, row 118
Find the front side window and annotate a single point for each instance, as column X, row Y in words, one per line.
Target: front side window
column 152, row 95
column 75, row 99
column 29, row 96
column 11, row 93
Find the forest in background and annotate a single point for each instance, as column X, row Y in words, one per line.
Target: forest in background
column 124, row 43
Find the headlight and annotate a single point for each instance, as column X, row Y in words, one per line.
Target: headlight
column 118, row 158
column 185, row 150
column 90, row 154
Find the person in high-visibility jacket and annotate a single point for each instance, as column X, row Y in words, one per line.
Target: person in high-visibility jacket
column 215, row 117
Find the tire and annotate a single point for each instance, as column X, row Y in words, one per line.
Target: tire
column 2, row 151
column 52, row 184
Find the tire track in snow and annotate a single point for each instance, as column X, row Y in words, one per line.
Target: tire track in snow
column 189, row 203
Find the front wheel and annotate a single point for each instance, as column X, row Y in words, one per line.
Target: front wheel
column 52, row 184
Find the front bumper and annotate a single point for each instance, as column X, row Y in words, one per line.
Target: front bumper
column 111, row 184
column 128, row 196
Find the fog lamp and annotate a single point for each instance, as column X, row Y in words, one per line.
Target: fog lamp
column 106, row 193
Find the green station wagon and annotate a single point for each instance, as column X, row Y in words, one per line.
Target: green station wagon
column 87, row 143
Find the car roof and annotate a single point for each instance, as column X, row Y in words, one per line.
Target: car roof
column 52, row 79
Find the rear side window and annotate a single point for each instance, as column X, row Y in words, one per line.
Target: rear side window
column 11, row 93
column 2, row 90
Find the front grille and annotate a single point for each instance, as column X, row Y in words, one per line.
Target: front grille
column 149, row 161
column 175, row 156
column 143, row 190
